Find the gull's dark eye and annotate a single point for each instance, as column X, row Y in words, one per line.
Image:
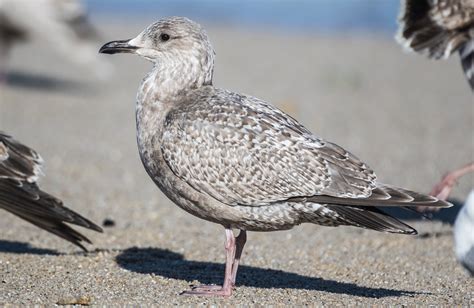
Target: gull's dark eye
column 164, row 37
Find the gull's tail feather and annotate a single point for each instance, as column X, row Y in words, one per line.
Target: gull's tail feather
column 352, row 215
column 371, row 218
column 27, row 201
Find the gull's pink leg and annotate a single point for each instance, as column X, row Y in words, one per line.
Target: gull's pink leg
column 226, row 289
column 444, row 187
column 240, row 242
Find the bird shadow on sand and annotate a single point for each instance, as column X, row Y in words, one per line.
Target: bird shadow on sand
column 24, row 248
column 39, row 82
column 166, row 263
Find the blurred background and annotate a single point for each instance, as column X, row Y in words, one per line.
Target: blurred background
column 301, row 15
column 332, row 64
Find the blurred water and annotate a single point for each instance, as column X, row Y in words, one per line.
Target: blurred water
column 305, row 15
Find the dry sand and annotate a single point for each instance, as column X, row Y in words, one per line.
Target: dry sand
column 410, row 119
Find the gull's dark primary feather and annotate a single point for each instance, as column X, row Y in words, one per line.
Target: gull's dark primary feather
column 439, row 28
column 384, row 196
column 20, row 195
column 371, row 218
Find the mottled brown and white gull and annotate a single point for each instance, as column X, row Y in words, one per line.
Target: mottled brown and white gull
column 20, row 195
column 236, row 160
column 439, row 28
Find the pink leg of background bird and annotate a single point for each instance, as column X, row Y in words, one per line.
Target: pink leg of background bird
column 444, row 187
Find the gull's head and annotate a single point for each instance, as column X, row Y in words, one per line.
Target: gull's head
column 168, row 40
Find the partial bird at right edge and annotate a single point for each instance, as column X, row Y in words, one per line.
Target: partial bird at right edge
column 439, row 28
column 464, row 235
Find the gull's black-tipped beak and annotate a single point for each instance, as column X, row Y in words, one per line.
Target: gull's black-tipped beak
column 118, row 47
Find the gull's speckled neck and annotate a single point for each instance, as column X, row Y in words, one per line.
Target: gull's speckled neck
column 182, row 54
column 182, row 63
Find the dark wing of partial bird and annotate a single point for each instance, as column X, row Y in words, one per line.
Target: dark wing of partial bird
column 439, row 28
column 20, row 195
column 242, row 151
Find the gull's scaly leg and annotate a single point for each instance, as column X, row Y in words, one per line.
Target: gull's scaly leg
column 226, row 288
column 240, row 242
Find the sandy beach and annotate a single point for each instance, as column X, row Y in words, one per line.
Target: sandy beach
column 408, row 118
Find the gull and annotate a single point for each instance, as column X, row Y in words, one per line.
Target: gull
column 20, row 195
column 236, row 160
column 439, row 28
column 63, row 24
column 464, row 234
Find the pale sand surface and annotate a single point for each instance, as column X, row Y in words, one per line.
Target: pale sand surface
column 410, row 119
